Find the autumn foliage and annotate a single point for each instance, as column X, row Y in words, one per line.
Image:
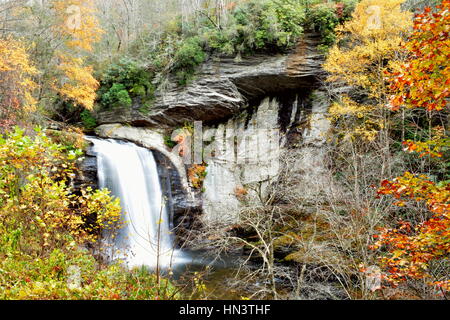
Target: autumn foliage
column 16, row 82
column 35, row 196
column 79, row 31
column 419, row 249
column 423, row 80
column 196, row 175
column 46, row 227
column 359, row 60
column 413, row 248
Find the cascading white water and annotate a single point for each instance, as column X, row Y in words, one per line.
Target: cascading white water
column 130, row 172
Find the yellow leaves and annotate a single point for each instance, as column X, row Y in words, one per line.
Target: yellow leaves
column 14, row 57
column 42, row 204
column 378, row 19
column 16, row 73
column 76, row 30
column 361, row 61
column 359, row 120
column 78, row 25
column 107, row 209
column 346, row 106
column 81, row 86
column 363, row 64
column 397, row 253
column 367, row 45
column 366, row 133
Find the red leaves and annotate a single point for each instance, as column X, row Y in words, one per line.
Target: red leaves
column 432, row 148
column 340, row 9
column 426, row 73
column 115, row 296
column 411, row 249
column 57, row 269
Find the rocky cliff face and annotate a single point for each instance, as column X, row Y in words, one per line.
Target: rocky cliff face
column 253, row 109
column 226, row 86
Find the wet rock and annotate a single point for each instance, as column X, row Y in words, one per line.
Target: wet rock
column 180, row 203
column 87, row 172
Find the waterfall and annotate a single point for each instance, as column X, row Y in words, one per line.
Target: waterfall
column 130, row 173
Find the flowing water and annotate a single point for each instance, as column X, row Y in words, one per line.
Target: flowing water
column 130, row 173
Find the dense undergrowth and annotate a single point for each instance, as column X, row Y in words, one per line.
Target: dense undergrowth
column 46, row 229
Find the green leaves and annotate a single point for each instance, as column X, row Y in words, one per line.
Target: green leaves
column 189, row 55
column 256, row 26
column 117, row 96
column 122, row 82
column 88, row 119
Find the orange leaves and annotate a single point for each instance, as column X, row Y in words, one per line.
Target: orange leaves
column 412, row 249
column 435, row 147
column 197, row 174
column 418, row 188
column 444, row 285
column 77, row 23
column 115, row 296
column 424, row 81
column 240, row 192
column 230, row 6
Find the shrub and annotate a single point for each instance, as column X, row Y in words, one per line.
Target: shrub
column 124, row 81
column 72, row 139
column 44, row 227
column 47, row 278
column 189, row 55
column 88, row 120
column 116, row 96
column 36, row 199
column 325, row 17
column 197, row 174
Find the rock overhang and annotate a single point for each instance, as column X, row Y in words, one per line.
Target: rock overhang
column 225, row 86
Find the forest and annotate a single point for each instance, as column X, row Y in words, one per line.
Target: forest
column 357, row 90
